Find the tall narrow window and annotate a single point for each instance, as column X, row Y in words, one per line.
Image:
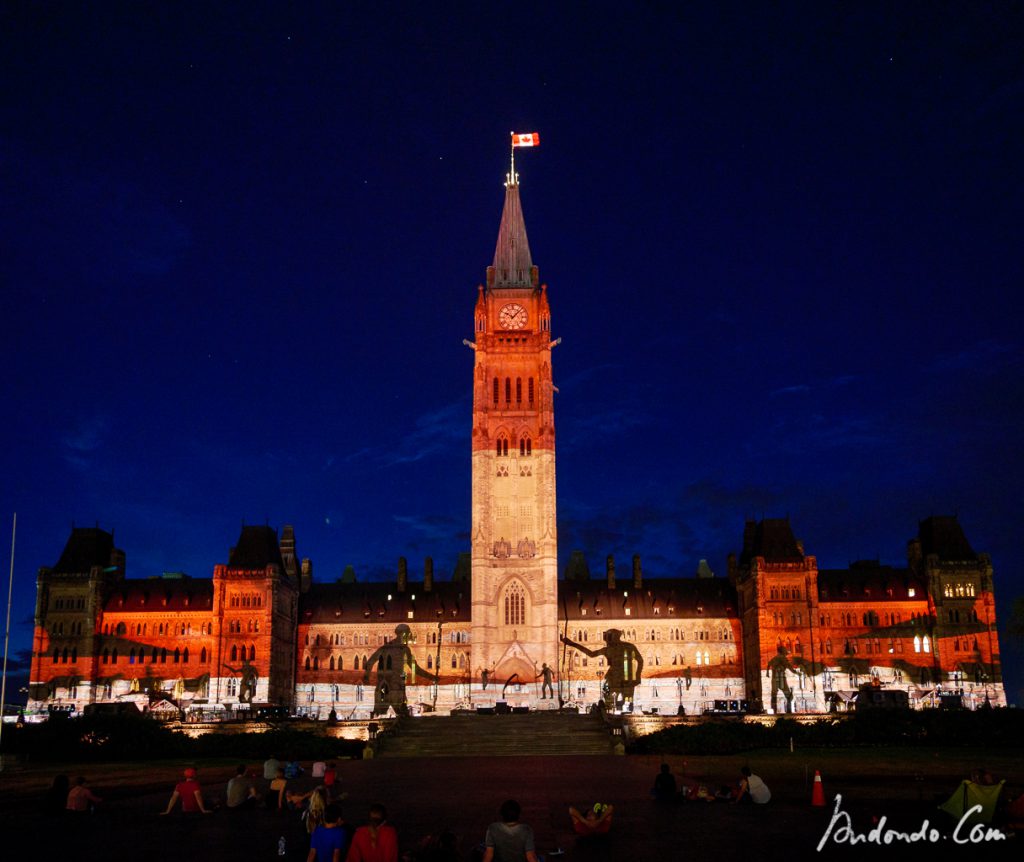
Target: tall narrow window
column 508, row 389
column 495, row 391
column 519, row 390
column 252, row 653
column 522, row 446
column 515, row 605
column 529, row 388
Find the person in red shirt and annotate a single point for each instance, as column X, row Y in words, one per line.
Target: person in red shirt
column 375, row 842
column 331, row 779
column 190, row 794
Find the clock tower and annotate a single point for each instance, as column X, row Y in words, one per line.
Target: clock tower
column 515, row 549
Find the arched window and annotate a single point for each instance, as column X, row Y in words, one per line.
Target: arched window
column 508, row 389
column 515, row 605
column 152, row 656
column 131, row 656
column 177, row 655
column 163, row 656
column 234, row 653
column 106, row 656
column 316, row 663
column 519, row 390
column 307, row 662
column 202, row 655
column 455, row 663
column 530, row 389
column 252, row 653
column 341, row 663
column 496, row 386
column 917, row 643
column 331, row 666
column 184, row 655
column 122, row 629
column 926, row 644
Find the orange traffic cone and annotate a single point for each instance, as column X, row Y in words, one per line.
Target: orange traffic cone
column 818, row 792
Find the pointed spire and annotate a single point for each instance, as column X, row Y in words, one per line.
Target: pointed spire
column 513, row 266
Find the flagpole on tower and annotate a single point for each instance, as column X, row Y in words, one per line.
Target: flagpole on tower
column 512, row 175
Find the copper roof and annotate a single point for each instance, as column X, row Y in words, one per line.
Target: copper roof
column 86, row 547
column 658, row 598
column 257, row 548
column 512, row 262
column 447, row 601
column 943, row 536
column 869, row 582
column 772, row 539
column 161, row 596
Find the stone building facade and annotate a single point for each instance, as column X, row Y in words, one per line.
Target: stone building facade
column 777, row 634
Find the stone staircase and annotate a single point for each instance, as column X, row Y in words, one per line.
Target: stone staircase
column 503, row 735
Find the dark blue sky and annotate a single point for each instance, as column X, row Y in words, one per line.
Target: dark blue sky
column 240, row 250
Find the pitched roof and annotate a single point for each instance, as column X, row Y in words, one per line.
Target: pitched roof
column 869, row 581
column 257, row 548
column 86, row 547
column 772, row 539
column 512, row 262
column 161, row 595
column 943, row 536
column 351, row 602
column 658, row 598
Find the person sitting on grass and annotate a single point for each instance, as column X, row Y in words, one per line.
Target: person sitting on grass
column 752, row 789
column 278, row 788
column 81, row 798
column 597, row 820
column 190, row 794
column 241, row 792
column 665, row 788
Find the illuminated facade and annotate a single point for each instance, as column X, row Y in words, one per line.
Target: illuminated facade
column 778, row 633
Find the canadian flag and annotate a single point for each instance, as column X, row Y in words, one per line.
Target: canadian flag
column 529, row 140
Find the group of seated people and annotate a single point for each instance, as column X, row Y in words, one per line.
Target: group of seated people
column 750, row 790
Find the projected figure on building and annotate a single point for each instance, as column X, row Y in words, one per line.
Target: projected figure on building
column 247, row 684
column 777, row 668
column 625, row 665
column 395, row 665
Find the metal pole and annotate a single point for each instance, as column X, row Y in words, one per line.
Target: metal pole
column 7, row 634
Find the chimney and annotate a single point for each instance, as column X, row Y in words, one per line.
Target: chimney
column 611, row 571
column 403, row 575
column 428, row 574
column 638, row 576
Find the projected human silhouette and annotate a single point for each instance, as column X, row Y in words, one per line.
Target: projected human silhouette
column 625, row 665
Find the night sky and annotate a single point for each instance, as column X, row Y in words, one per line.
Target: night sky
column 241, row 246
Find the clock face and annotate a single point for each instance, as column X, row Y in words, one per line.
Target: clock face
column 512, row 316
